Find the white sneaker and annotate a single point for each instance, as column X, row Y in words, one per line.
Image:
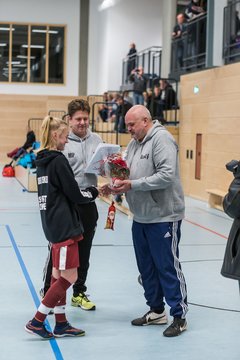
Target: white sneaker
column 151, row 318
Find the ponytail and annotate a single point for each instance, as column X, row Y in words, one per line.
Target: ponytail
column 49, row 125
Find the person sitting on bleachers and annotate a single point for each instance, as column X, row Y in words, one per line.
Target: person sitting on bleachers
column 156, row 105
column 103, row 108
column 168, row 95
column 122, row 109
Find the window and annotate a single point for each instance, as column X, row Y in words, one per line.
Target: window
column 4, row 51
column 38, row 54
column 32, row 53
column 56, row 58
column 19, row 53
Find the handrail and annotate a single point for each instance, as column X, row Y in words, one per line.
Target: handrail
column 35, row 125
column 149, row 59
column 188, row 53
column 143, row 52
column 49, row 112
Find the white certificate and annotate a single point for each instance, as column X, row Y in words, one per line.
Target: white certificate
column 102, row 151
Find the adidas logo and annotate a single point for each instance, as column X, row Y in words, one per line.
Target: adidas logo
column 167, row 235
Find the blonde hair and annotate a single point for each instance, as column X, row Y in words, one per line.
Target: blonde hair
column 49, row 125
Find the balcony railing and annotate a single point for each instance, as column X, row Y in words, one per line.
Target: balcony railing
column 150, row 59
column 188, row 53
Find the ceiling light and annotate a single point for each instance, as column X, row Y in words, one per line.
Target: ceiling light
column 34, row 46
column 106, row 4
column 44, row 31
column 25, row 57
column 6, row 29
column 13, row 62
column 20, row 65
column 2, row 44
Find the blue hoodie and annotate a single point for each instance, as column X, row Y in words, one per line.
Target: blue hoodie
column 156, row 194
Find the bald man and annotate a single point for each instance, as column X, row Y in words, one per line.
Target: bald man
column 155, row 197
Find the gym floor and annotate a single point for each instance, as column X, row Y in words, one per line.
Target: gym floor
column 214, row 301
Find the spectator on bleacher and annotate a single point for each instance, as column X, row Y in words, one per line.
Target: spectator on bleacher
column 139, row 80
column 178, row 31
column 194, row 9
column 112, row 107
column 103, row 108
column 122, row 109
column 156, row 105
column 132, row 55
column 237, row 22
column 168, row 95
column 147, row 96
column 196, row 30
column 127, row 97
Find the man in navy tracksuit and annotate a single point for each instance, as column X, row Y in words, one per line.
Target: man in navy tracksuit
column 155, row 197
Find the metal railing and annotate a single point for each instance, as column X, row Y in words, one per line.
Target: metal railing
column 35, row 125
column 188, row 53
column 150, row 59
column 57, row 113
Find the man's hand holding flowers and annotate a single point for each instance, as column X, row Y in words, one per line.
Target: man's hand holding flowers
column 120, row 186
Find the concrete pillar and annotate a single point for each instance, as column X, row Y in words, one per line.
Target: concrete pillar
column 218, row 32
column 83, row 48
column 169, row 19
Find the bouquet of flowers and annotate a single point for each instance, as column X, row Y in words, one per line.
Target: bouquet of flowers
column 114, row 167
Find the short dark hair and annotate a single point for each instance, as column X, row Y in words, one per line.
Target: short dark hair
column 78, row 105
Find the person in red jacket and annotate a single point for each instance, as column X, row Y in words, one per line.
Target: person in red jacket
column 58, row 196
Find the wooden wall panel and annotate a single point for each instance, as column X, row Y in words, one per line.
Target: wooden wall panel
column 213, row 112
column 15, row 110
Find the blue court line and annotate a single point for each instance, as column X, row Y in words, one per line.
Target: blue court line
column 53, row 343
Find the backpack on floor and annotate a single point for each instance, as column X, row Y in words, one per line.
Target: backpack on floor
column 8, row 170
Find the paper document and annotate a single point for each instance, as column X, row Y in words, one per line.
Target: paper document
column 102, row 151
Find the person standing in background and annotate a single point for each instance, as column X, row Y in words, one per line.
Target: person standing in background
column 132, row 56
column 139, row 80
column 178, row 31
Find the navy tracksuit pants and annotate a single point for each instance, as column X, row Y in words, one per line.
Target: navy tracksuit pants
column 157, row 252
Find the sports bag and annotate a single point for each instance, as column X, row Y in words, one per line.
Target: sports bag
column 8, row 171
column 231, row 201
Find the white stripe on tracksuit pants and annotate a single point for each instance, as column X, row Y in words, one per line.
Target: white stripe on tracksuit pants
column 157, row 255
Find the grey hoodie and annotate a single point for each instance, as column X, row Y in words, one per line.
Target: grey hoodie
column 78, row 152
column 156, row 194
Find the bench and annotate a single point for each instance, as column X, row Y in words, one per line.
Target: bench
column 26, row 177
column 216, row 198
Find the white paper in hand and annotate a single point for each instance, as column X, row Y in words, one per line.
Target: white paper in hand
column 101, row 152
